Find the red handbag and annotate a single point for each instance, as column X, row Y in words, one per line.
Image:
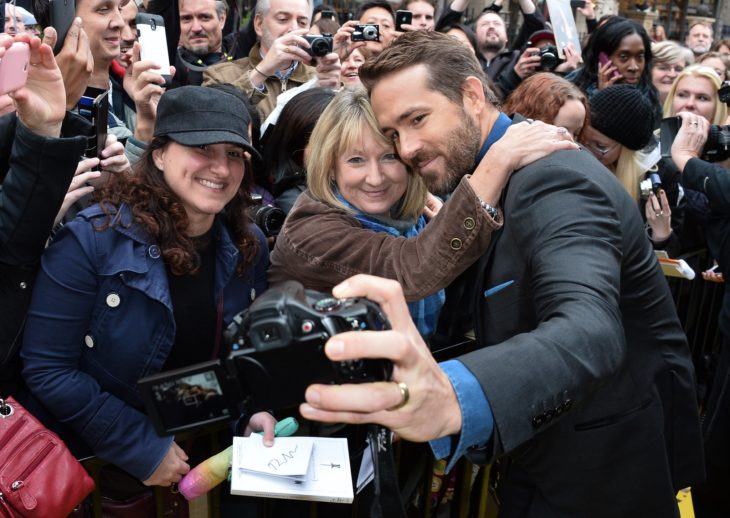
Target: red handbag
column 39, row 477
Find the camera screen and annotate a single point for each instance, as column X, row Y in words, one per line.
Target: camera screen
column 186, row 401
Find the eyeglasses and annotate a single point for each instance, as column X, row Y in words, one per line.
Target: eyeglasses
column 668, row 68
column 598, row 150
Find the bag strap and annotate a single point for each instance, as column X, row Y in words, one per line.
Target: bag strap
column 387, row 501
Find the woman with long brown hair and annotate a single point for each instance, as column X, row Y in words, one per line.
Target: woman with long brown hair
column 144, row 281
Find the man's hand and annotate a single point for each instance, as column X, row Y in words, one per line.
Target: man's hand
column 41, row 103
column 285, row 49
column 587, row 10
column 432, row 410
column 690, row 139
column 328, row 71
column 172, row 468
column 342, row 40
column 146, row 87
column 528, row 63
column 572, row 60
column 74, row 60
column 79, row 186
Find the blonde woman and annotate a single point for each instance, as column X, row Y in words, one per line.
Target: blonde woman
column 669, row 59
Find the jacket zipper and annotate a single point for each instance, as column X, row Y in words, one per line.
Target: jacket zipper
column 15, row 486
column 283, row 84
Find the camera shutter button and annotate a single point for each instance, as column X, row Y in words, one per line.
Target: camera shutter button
column 307, row 326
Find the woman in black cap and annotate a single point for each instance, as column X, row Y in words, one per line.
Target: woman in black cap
column 620, row 136
column 144, row 282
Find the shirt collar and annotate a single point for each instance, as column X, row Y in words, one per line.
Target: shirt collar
column 498, row 130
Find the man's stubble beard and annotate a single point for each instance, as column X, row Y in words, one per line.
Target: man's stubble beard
column 463, row 145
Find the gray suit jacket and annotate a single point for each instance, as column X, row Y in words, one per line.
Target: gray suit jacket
column 583, row 359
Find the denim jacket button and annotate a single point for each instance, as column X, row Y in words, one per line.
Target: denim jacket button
column 154, row 251
column 89, row 341
column 113, row 300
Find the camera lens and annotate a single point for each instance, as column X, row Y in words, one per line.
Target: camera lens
column 319, row 47
column 370, row 33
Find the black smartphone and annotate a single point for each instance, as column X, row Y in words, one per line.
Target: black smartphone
column 329, row 14
column 62, row 13
column 153, row 43
column 96, row 110
column 402, row 18
column 577, row 4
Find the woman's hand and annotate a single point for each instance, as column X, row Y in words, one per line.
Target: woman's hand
column 659, row 216
column 606, row 75
column 433, row 206
column 113, row 159
column 262, row 422
column 690, row 139
column 172, row 468
column 712, row 275
column 521, row 145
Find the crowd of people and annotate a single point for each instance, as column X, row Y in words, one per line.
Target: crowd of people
column 461, row 181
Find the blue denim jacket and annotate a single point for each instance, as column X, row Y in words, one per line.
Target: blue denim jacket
column 101, row 318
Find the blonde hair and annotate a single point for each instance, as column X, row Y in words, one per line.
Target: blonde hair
column 629, row 171
column 341, row 127
column 668, row 52
column 720, row 112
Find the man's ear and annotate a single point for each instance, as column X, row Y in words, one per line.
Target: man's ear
column 257, row 24
column 222, row 20
column 473, row 94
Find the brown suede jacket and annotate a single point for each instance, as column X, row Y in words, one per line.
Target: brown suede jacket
column 320, row 246
column 237, row 72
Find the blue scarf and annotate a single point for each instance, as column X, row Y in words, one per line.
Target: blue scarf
column 424, row 312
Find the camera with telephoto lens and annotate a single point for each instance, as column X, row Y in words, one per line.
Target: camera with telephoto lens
column 319, row 45
column 366, row 32
column 277, row 350
column 717, row 147
column 269, row 219
column 652, row 183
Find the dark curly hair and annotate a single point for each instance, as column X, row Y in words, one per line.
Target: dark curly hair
column 160, row 211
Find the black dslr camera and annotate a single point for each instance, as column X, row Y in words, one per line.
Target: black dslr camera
column 269, row 219
column 277, row 350
column 549, row 57
column 319, row 45
column 717, row 147
column 366, row 32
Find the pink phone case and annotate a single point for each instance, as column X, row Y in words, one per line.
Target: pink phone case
column 603, row 59
column 14, row 68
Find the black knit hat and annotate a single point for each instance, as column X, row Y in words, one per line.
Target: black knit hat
column 624, row 114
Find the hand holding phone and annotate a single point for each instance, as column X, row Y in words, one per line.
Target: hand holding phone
column 402, row 18
column 62, row 14
column 153, row 43
column 14, row 68
column 604, row 60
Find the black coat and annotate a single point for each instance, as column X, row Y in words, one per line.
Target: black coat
column 36, row 174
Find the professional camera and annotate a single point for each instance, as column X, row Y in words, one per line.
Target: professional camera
column 366, row 32
column 717, row 147
column 723, row 93
column 269, row 219
column 319, row 45
column 549, row 57
column 652, row 183
column 277, row 351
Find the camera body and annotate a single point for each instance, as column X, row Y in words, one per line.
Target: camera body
column 277, row 350
column 366, row 32
column 269, row 219
column 652, row 183
column 319, row 45
column 717, row 147
column 549, row 58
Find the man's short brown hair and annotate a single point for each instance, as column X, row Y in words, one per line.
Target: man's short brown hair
column 449, row 63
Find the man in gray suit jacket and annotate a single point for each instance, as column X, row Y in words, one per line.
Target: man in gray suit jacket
column 582, row 388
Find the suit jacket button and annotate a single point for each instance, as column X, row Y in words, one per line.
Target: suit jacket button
column 456, row 244
column 469, row 223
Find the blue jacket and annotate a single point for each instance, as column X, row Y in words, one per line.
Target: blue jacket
column 101, row 318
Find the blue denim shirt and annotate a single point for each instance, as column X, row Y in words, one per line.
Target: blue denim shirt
column 101, row 318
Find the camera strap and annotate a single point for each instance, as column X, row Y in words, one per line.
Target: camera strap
column 387, row 500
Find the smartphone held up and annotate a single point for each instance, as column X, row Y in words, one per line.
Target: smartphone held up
column 14, row 68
